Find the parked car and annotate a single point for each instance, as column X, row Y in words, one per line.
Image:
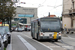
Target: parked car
column 8, row 33
column 13, row 28
column 16, row 29
column 23, row 28
column 3, row 38
column 19, row 29
column 28, row 28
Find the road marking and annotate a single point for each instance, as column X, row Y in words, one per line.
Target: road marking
column 70, row 47
column 39, row 42
column 69, row 37
column 29, row 46
column 55, row 46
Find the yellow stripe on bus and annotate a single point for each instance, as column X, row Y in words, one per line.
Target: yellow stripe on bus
column 55, row 35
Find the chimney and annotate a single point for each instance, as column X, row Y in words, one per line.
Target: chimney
column 49, row 14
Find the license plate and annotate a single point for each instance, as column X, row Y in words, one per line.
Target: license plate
column 50, row 35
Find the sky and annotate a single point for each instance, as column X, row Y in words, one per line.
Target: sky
column 44, row 6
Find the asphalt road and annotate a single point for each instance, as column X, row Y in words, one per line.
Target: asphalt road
column 24, row 41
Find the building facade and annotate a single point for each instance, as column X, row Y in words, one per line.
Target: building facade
column 68, row 14
column 24, row 15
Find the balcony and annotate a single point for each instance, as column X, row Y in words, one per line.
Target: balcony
column 70, row 12
column 73, row 12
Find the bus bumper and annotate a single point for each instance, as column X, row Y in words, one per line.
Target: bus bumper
column 47, row 37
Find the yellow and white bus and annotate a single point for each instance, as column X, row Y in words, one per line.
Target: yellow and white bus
column 46, row 28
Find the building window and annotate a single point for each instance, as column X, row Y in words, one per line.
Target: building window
column 21, row 20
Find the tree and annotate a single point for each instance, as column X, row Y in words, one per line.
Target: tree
column 61, row 18
column 7, row 10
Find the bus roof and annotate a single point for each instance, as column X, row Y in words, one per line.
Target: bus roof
column 44, row 17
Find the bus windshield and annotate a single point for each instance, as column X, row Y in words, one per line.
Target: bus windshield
column 50, row 25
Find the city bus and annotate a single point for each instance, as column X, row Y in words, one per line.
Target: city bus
column 46, row 28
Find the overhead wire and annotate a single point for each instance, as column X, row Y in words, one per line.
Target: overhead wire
column 55, row 3
column 54, row 7
column 44, row 1
column 50, row 10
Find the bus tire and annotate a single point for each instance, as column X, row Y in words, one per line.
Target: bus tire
column 32, row 36
column 56, row 40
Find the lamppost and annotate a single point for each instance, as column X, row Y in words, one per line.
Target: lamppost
column 73, row 10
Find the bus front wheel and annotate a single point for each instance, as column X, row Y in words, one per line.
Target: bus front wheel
column 56, row 40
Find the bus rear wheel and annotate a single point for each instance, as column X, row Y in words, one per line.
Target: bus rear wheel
column 38, row 38
column 32, row 37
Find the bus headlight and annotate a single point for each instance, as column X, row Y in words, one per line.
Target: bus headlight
column 41, row 34
column 59, row 34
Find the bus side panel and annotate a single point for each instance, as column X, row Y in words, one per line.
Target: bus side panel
column 36, row 29
column 32, row 29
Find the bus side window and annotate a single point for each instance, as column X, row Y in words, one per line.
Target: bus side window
column 38, row 23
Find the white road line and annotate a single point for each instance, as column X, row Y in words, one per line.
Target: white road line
column 39, row 43
column 69, row 37
column 29, row 46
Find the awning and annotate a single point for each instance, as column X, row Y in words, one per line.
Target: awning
column 24, row 24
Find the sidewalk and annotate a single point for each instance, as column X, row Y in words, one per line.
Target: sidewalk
column 68, row 35
column 71, row 35
column 9, row 47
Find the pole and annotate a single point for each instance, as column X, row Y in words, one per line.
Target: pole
column 73, row 10
column 10, row 24
column 49, row 14
column 30, row 19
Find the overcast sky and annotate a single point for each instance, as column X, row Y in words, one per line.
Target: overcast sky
column 44, row 6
